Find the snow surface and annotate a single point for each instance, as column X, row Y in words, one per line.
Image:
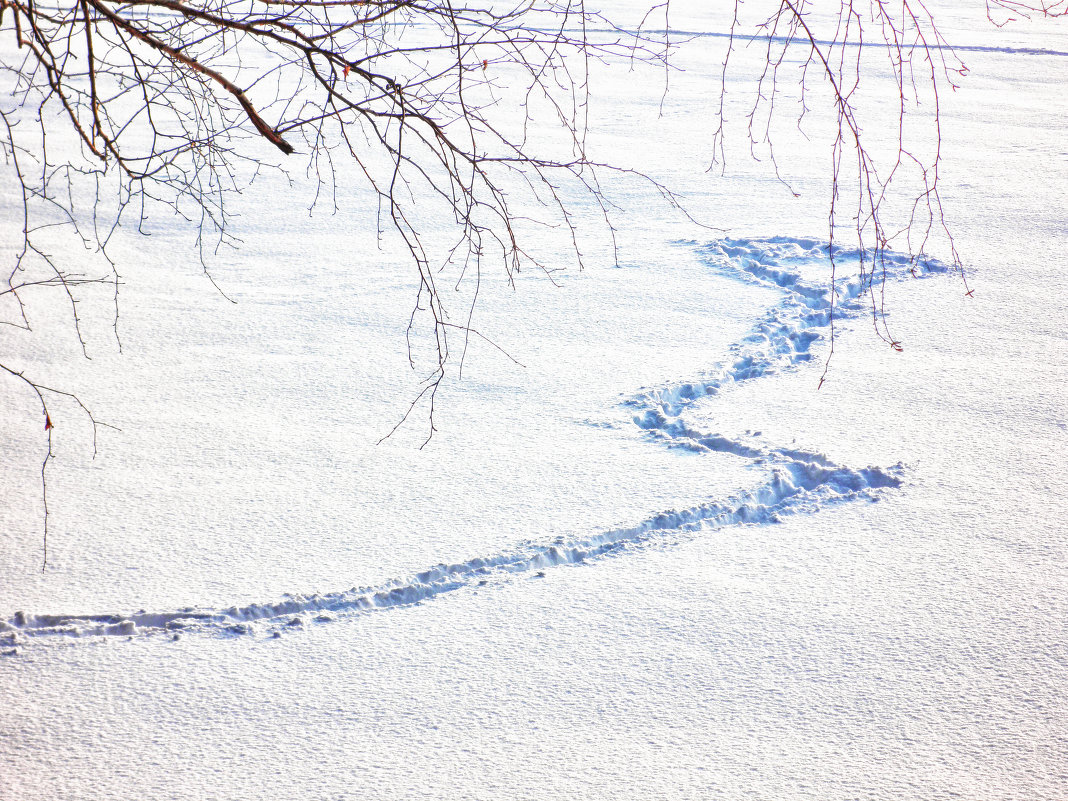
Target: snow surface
column 648, row 563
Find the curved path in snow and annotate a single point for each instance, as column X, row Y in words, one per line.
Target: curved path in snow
column 797, row 481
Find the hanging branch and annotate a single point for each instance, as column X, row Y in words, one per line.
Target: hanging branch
column 115, row 109
column 868, row 185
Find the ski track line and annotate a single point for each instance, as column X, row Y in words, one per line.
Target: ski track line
column 798, row 481
column 744, row 38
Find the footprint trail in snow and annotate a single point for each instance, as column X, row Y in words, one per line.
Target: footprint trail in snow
column 797, row 481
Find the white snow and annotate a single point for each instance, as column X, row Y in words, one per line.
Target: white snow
column 655, row 561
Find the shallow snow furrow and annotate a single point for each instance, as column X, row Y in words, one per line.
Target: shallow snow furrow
column 797, row 480
column 789, row 489
column 680, row 33
column 782, row 339
column 784, row 336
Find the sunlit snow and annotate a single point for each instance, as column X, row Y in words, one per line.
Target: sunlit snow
column 645, row 555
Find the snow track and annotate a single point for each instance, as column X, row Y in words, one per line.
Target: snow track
column 678, row 33
column 797, row 481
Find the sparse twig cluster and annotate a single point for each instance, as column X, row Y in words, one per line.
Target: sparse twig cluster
column 111, row 109
column 881, row 197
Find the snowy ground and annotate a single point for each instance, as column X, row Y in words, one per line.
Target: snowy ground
column 653, row 562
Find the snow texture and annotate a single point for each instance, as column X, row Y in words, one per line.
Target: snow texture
column 614, row 614
column 797, row 480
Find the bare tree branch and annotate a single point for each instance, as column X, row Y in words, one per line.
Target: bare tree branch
column 112, row 110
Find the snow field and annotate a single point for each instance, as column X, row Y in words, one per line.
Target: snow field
column 910, row 648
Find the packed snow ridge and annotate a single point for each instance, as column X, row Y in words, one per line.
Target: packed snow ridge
column 797, row 481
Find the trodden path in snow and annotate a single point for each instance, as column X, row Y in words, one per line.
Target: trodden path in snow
column 797, row 481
